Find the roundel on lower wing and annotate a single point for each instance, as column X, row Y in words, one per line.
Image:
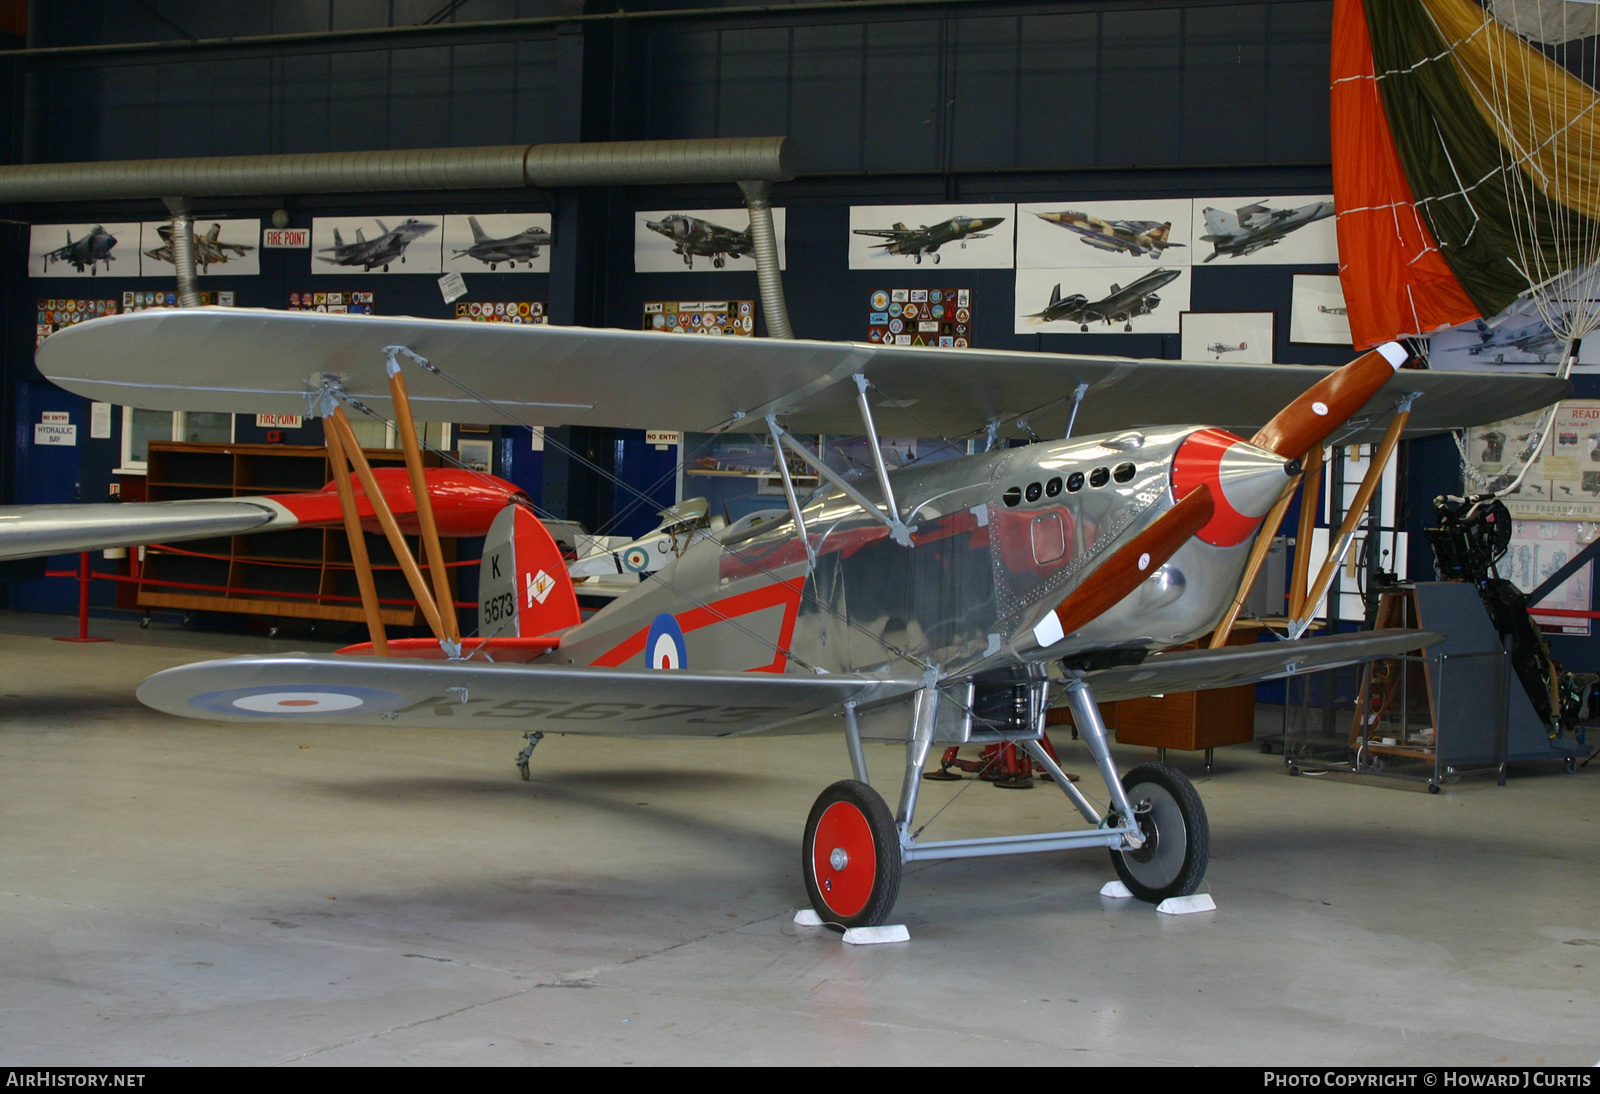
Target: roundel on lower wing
column 305, row 700
column 663, row 646
column 636, row 559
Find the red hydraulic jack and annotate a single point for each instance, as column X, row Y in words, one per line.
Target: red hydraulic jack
column 83, row 603
column 1002, row 763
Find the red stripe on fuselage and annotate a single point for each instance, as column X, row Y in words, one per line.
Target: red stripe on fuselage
column 786, row 593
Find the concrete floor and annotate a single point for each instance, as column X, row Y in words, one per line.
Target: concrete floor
column 181, row 892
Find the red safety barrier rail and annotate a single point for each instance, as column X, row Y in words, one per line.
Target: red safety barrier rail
column 84, row 575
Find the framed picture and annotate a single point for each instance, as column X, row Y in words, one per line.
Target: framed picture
column 471, row 427
column 1244, row 336
column 476, row 455
column 1317, row 314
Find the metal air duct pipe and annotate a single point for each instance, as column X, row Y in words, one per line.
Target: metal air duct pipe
column 494, row 167
column 182, row 246
column 764, row 241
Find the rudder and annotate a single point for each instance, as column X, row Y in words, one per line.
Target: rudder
column 523, row 586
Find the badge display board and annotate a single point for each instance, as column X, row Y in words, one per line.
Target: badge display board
column 736, row 317
column 1564, row 481
column 156, row 298
column 920, row 317
column 356, row 303
column 56, row 313
column 501, row 311
column 1538, row 549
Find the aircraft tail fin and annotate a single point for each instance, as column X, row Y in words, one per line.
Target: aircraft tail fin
column 338, row 240
column 478, row 235
column 1055, row 294
column 215, row 233
column 523, row 586
column 382, row 227
column 1219, row 223
column 899, row 227
column 361, row 237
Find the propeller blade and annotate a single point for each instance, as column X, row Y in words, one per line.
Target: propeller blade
column 1330, row 402
column 1128, row 566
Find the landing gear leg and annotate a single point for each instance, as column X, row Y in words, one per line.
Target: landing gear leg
column 527, row 753
column 852, row 855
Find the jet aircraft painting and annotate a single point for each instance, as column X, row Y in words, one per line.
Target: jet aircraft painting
column 209, row 249
column 1121, row 304
column 87, row 252
column 388, row 248
column 1147, row 238
column 1253, row 227
column 925, row 240
column 969, row 236
column 693, row 237
column 1535, row 340
column 524, row 246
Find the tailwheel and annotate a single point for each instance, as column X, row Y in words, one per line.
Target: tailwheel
column 1172, row 861
column 851, row 856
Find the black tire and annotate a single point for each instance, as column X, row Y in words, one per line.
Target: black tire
column 1177, row 835
column 846, row 895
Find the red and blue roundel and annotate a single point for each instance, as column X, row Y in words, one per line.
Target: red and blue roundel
column 663, row 647
column 303, row 701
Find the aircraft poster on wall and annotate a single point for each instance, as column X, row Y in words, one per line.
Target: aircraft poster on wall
column 220, row 247
column 1521, row 343
column 1262, row 231
column 1238, row 336
column 1128, row 234
column 700, row 240
column 375, row 245
column 497, row 242
column 920, row 317
column 84, row 250
column 1317, row 312
column 903, row 237
column 1564, row 481
column 1101, row 300
column 1539, row 548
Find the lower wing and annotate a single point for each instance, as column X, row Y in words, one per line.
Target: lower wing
column 1229, row 666
column 478, row 695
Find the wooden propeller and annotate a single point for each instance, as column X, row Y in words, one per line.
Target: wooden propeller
column 1312, row 418
column 1131, row 564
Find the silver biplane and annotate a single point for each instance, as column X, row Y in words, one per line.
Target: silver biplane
column 939, row 603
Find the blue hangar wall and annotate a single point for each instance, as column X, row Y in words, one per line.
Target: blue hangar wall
column 899, row 103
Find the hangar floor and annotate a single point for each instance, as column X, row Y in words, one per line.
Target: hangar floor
column 181, row 892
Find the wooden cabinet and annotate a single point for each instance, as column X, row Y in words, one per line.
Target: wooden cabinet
column 297, row 572
column 1191, row 720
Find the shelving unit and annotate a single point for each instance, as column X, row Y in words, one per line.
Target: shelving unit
column 259, row 570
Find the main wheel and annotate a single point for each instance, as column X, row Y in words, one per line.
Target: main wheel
column 1177, row 836
column 851, row 856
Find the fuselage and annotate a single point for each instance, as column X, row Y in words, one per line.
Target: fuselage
column 1001, row 539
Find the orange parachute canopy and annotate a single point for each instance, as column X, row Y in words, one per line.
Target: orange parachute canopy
column 1395, row 281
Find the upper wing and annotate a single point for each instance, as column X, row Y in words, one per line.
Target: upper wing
column 256, row 361
column 1201, row 670
column 29, row 531
column 475, row 695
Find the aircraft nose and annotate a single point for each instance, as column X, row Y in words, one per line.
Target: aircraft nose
column 1245, row 481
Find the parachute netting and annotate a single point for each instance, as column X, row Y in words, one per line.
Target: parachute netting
column 1530, row 66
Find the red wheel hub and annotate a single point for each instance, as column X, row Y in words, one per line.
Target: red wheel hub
column 844, row 859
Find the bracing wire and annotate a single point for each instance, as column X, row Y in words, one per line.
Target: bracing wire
column 1518, row 60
